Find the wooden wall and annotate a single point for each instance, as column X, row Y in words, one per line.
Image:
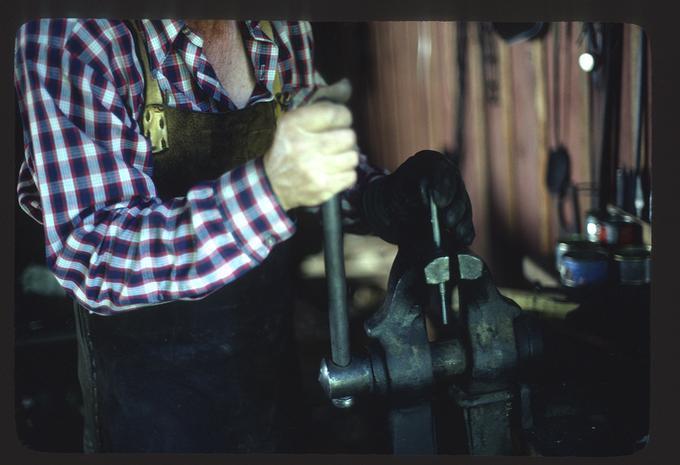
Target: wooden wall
column 406, row 100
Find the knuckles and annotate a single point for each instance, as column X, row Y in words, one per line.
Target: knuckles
column 344, row 115
column 352, row 137
column 309, row 166
column 355, row 158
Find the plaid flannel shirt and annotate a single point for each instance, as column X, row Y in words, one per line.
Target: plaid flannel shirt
column 110, row 241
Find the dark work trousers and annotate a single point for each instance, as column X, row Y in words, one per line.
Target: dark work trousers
column 213, row 375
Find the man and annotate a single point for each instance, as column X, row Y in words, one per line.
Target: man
column 166, row 188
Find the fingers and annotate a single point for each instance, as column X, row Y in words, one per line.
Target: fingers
column 451, row 197
column 429, row 174
column 438, row 175
column 342, row 162
column 445, row 185
column 321, row 116
column 465, row 229
column 342, row 181
column 465, row 233
column 333, row 141
column 457, row 209
column 313, row 155
column 454, row 214
column 333, row 184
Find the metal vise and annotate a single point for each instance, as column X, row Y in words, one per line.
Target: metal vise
column 479, row 365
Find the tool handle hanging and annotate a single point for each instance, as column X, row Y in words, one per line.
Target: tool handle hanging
column 335, row 277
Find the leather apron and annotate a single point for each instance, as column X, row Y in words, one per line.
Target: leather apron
column 195, row 376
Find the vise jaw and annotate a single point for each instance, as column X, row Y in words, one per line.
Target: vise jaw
column 479, row 365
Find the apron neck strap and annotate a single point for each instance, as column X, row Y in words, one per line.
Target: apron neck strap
column 279, row 98
column 152, row 91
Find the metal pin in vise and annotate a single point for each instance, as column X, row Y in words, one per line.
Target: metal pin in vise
column 437, row 271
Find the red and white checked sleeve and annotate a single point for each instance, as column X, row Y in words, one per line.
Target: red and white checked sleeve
column 111, row 243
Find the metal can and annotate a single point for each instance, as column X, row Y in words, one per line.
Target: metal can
column 572, row 243
column 609, row 230
column 612, row 229
column 584, row 268
column 620, row 230
column 633, row 264
column 630, row 231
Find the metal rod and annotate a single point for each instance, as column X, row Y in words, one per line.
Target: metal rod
column 442, row 301
column 335, row 276
column 434, row 219
column 436, row 236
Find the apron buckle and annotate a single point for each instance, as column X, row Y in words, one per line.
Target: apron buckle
column 156, row 128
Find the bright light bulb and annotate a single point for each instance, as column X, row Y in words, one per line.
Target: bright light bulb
column 586, row 61
column 592, row 229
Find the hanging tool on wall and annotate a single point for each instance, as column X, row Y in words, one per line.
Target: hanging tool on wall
column 612, row 35
column 460, row 102
column 558, row 175
column 591, row 61
column 519, row 32
column 641, row 78
column 632, row 183
column 490, row 70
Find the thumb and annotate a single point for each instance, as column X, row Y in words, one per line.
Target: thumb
column 338, row 92
column 321, row 116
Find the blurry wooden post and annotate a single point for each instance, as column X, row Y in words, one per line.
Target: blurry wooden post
column 538, row 56
column 475, row 160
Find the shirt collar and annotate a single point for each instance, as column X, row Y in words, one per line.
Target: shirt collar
column 163, row 33
column 256, row 32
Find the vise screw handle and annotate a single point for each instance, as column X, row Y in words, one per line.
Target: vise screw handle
column 335, row 276
column 337, row 289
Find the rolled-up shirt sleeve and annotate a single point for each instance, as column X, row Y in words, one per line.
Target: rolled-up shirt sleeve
column 110, row 241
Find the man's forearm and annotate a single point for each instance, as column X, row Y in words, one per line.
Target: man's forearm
column 148, row 253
